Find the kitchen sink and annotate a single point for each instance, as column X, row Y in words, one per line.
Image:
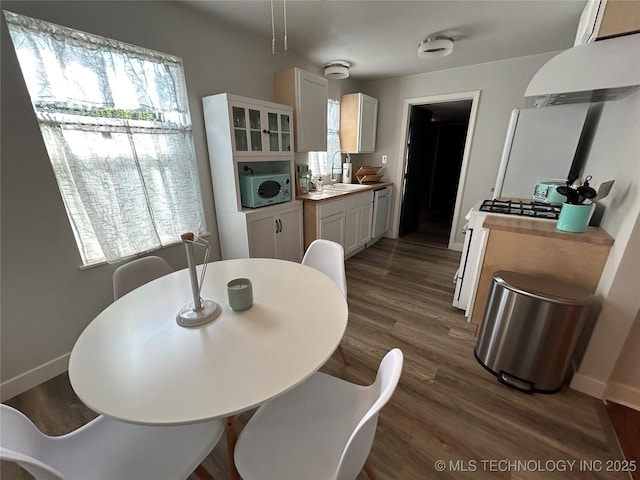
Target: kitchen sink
column 346, row 187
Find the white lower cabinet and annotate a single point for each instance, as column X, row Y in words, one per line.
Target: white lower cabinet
column 358, row 219
column 366, row 223
column 332, row 228
column 277, row 235
column 346, row 220
column 270, row 232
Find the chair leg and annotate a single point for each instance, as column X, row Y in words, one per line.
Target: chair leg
column 202, row 473
column 369, row 471
column 232, row 436
column 344, row 357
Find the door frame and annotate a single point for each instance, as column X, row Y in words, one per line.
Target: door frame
column 474, row 96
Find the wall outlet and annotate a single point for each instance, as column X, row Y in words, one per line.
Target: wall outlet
column 384, row 159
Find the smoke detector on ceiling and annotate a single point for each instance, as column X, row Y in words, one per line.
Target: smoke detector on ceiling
column 435, row 47
column 337, row 70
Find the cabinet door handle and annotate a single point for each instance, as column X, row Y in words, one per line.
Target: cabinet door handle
column 280, row 223
column 277, row 227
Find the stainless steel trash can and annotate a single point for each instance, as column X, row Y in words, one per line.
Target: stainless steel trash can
column 531, row 326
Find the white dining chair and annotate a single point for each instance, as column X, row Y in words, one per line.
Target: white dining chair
column 106, row 449
column 322, row 429
column 328, row 257
column 131, row 275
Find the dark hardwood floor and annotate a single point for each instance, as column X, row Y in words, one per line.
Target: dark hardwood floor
column 446, row 407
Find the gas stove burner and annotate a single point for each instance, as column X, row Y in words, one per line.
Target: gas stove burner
column 521, row 208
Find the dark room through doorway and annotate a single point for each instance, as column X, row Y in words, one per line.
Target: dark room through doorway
column 434, row 153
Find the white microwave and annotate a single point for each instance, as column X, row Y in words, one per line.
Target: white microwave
column 264, row 189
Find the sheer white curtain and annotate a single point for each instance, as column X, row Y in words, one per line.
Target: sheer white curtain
column 320, row 162
column 116, row 125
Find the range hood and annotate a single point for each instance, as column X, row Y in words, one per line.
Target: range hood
column 593, row 72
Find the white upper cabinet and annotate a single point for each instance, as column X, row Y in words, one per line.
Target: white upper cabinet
column 358, row 123
column 259, row 129
column 307, row 93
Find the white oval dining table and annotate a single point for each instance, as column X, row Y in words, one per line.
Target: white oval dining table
column 134, row 363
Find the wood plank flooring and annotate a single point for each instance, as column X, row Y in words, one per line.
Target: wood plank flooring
column 447, row 406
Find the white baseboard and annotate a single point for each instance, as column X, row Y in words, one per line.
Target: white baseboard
column 623, row 394
column 34, row 377
column 588, row 385
column 456, row 246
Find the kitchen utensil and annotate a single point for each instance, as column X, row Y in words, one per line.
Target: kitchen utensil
column 576, row 183
column 571, row 194
column 603, row 190
column 585, row 192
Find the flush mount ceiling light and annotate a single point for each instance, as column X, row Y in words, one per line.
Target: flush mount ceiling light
column 435, row 47
column 337, row 70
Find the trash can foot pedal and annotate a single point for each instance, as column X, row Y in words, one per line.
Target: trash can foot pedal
column 515, row 382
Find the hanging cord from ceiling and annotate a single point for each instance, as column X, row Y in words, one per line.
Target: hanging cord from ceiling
column 273, row 28
column 273, row 32
column 284, row 4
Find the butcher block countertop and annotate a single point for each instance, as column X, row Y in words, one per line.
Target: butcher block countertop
column 527, row 226
column 330, row 194
column 535, row 247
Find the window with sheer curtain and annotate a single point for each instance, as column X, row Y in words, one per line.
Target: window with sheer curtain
column 116, row 124
column 320, row 162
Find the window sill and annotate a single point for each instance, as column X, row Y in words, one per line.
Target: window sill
column 133, row 257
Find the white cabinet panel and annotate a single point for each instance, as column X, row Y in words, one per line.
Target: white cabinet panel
column 358, row 123
column 307, row 93
column 352, row 229
column 332, row 228
column 289, row 238
column 366, row 223
column 262, row 237
column 276, row 234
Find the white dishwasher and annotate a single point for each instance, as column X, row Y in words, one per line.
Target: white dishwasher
column 381, row 213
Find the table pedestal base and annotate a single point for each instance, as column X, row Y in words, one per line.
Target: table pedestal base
column 189, row 317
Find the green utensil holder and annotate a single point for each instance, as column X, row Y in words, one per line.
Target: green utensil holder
column 574, row 218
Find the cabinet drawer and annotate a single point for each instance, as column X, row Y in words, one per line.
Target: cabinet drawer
column 326, row 209
column 359, row 200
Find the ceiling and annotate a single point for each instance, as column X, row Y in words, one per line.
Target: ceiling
column 380, row 38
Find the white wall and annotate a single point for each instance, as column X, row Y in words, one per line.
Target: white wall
column 624, row 384
column 614, row 155
column 46, row 299
column 502, row 85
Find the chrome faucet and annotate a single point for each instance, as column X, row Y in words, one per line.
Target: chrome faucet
column 333, row 159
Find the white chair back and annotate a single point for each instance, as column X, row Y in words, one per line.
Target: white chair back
column 359, row 445
column 327, row 257
column 106, row 449
column 131, row 275
column 21, row 442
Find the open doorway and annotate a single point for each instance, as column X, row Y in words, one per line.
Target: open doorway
column 436, row 152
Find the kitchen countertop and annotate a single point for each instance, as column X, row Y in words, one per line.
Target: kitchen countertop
column 592, row 235
column 328, row 194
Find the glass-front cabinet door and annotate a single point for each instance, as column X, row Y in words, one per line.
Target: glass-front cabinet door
column 285, row 122
column 247, row 129
column 279, row 132
column 260, row 131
